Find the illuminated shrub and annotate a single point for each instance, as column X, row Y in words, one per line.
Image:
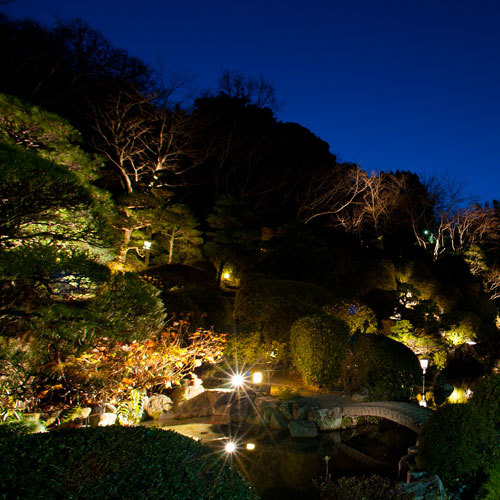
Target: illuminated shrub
column 252, row 349
column 486, row 397
column 418, row 340
column 115, row 462
column 462, row 326
column 318, row 346
column 271, row 306
column 359, row 317
column 386, row 368
column 456, row 441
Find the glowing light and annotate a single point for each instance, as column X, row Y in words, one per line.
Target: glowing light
column 257, row 378
column 230, row 447
column 237, row 380
column 250, row 446
column 226, row 276
column 470, row 342
column 423, row 402
column 147, row 245
column 458, row 396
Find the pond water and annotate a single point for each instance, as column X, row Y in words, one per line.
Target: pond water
column 280, row 467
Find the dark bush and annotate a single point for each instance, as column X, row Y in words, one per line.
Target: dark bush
column 361, row 488
column 115, row 463
column 486, row 397
column 318, row 345
column 271, row 306
column 457, row 441
column 202, row 307
column 388, row 369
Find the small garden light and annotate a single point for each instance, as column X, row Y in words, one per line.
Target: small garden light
column 147, row 245
column 226, row 276
column 257, row 378
column 230, row 447
column 250, row 446
column 237, row 380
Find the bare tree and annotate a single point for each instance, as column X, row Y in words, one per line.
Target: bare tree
column 257, row 91
column 353, row 199
column 455, row 226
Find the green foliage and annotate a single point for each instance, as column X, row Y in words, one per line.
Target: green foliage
column 318, row 345
column 129, row 308
column 203, row 307
column 378, row 276
column 388, row 369
column 421, row 342
column 486, row 397
column 456, row 442
column 233, row 235
column 461, row 327
column 361, row 488
column 359, row 317
column 491, row 489
column 116, row 462
column 271, row 306
column 252, row 349
column 131, row 410
column 43, row 201
column 46, row 134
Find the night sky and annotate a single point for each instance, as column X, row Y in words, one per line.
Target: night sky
column 388, row 84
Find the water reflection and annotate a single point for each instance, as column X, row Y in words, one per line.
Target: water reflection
column 281, row 467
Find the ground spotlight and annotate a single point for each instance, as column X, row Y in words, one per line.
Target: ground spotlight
column 237, row 380
column 230, row 447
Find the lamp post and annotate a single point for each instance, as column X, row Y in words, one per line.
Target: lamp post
column 147, row 247
column 424, row 363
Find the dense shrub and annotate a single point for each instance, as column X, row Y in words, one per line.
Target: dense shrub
column 461, row 326
column 456, row 441
column 271, row 306
column 318, row 345
column 115, row 463
column 361, row 488
column 359, row 318
column 491, row 489
column 251, row 349
column 388, row 369
column 201, row 307
column 377, row 276
column 486, row 397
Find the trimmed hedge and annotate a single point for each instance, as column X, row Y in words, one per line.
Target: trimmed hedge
column 486, row 397
column 388, row 369
column 115, row 463
column 358, row 316
column 457, row 441
column 271, row 306
column 318, row 345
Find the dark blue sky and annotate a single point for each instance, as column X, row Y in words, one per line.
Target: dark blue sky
column 409, row 85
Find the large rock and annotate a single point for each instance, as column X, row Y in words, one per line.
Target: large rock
column 199, row 406
column 220, row 401
column 425, row 486
column 186, row 392
column 327, row 419
column 278, row 421
column 303, row 429
column 157, row 404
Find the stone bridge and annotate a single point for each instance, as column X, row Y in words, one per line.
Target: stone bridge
column 408, row 414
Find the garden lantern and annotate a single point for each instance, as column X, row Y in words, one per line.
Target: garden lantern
column 424, row 363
